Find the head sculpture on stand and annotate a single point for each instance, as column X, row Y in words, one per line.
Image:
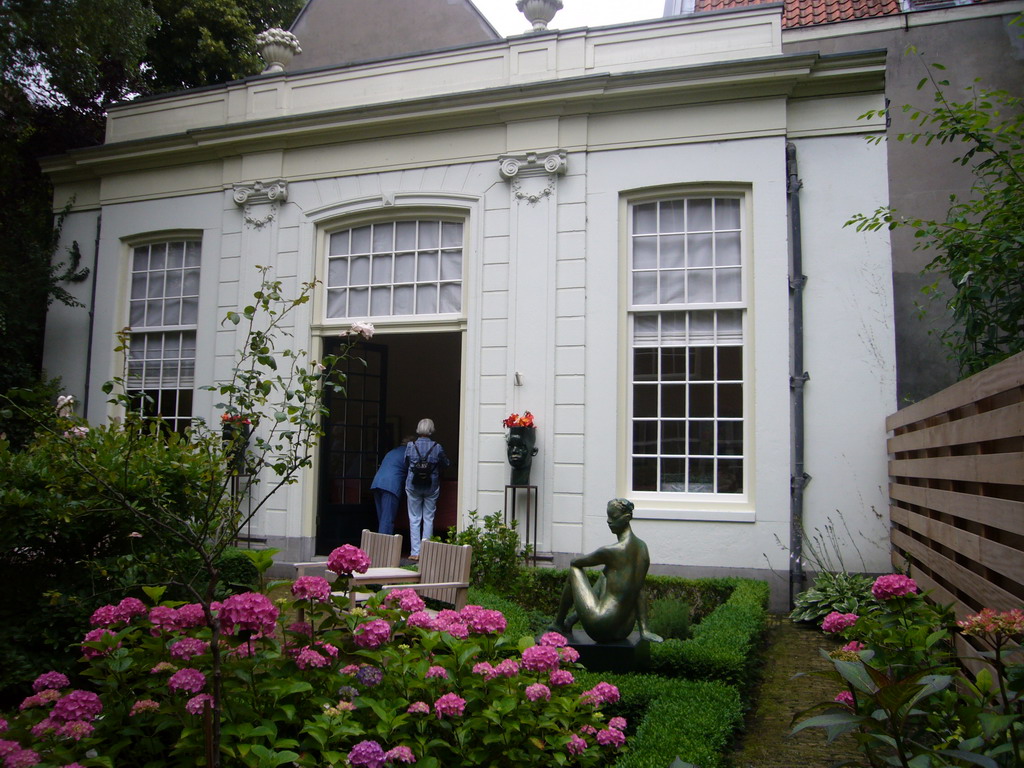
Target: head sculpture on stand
column 521, row 446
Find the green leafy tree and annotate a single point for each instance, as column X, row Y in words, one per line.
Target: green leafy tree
column 979, row 261
column 63, row 63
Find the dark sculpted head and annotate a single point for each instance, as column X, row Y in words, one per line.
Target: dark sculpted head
column 620, row 513
column 520, row 451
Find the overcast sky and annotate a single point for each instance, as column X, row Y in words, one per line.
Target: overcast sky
column 575, row 13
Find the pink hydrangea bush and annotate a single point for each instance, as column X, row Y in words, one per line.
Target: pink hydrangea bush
column 441, row 683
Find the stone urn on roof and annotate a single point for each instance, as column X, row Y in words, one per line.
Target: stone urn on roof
column 277, row 47
column 539, row 12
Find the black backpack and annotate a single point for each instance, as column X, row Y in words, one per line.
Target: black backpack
column 422, row 469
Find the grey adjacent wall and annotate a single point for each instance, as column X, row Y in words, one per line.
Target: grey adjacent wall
column 921, row 178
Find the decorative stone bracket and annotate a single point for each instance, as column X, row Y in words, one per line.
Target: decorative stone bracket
column 271, row 193
column 515, row 168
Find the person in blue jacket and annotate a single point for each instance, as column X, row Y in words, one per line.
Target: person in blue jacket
column 388, row 485
column 423, row 498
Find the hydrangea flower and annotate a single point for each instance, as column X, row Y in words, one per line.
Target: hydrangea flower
column 602, row 693
column 309, row 657
column 576, row 745
column 197, row 704
column 991, row 622
column 893, row 585
column 450, row 704
column 188, row 647
column 189, row 616
column 561, row 677
column 418, row 708
column 483, row 621
column 7, row 746
column 845, row 698
column 483, row 668
column 618, row 723
column 420, row 619
column 407, row 600
column 370, row 676
column 399, row 755
column 436, row 671
column 368, row 753
column 372, row 634
column 303, row 628
column 143, row 705
column 553, row 639
column 188, row 679
column 538, row 691
column 105, row 616
column 250, row 612
column 569, row 655
column 610, row 737
column 539, row 658
column 23, row 758
column 315, row 588
column 132, row 607
column 347, row 559
column 50, row 680
column 837, row 622
column 853, row 646
column 75, row 730
column 507, row 668
column 95, row 636
column 77, row 705
column 163, row 617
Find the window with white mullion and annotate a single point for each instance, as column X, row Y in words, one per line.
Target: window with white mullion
column 408, row 267
column 686, row 365
column 163, row 317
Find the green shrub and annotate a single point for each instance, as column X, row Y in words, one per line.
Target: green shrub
column 68, row 549
column 497, row 557
column 670, row 618
column 724, row 644
column 843, row 592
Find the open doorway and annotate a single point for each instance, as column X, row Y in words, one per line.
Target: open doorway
column 407, row 377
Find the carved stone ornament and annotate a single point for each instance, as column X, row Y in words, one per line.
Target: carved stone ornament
column 515, row 168
column 260, row 193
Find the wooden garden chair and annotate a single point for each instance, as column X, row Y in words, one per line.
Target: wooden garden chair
column 443, row 574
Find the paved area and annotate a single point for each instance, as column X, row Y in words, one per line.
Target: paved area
column 791, row 649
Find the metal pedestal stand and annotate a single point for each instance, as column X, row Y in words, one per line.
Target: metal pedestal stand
column 512, row 493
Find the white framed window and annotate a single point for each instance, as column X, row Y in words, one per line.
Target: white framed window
column 687, row 315
column 163, row 317
column 395, row 268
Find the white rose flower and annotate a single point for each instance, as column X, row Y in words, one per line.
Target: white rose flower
column 363, row 329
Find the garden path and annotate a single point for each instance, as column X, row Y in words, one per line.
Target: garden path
column 766, row 743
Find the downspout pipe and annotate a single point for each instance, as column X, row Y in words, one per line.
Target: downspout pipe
column 798, row 378
column 92, row 315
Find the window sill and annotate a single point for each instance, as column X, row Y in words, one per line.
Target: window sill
column 715, row 512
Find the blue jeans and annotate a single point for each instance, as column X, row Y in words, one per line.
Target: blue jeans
column 387, row 507
column 422, row 504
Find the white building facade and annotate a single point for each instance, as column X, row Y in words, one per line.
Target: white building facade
column 592, row 225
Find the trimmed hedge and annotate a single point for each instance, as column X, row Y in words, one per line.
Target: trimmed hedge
column 724, row 645
column 541, row 589
column 691, row 719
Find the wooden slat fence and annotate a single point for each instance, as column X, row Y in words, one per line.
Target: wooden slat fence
column 956, row 472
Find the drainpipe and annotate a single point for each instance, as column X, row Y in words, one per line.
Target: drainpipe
column 798, row 378
column 92, row 315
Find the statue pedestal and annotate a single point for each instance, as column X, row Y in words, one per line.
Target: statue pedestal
column 630, row 655
column 512, row 494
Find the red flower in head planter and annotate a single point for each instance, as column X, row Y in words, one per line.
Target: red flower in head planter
column 515, row 420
